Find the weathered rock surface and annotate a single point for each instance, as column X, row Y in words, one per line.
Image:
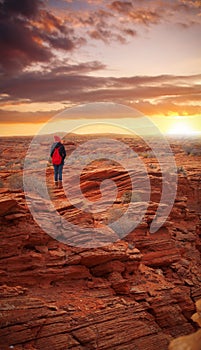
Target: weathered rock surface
column 192, row 341
column 135, row 293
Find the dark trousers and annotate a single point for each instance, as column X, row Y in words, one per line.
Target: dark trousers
column 58, row 169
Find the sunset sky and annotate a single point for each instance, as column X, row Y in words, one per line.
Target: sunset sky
column 55, row 54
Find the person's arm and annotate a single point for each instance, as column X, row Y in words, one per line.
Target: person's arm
column 62, row 152
column 52, row 149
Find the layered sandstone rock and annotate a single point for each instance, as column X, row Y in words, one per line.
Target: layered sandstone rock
column 135, row 293
column 192, row 341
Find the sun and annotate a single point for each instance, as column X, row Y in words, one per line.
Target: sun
column 181, row 126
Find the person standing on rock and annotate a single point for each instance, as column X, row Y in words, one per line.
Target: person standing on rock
column 58, row 154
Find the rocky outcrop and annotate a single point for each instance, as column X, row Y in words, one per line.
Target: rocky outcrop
column 192, row 341
column 135, row 293
column 12, row 205
column 40, row 324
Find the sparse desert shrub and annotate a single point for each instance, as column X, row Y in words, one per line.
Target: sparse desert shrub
column 196, row 152
column 181, row 170
column 128, row 197
column 145, row 155
column 148, row 154
column 187, row 149
column 192, row 150
column 153, row 166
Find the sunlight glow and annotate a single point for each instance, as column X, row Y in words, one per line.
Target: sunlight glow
column 181, row 127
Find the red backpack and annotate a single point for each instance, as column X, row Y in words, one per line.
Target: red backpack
column 56, row 157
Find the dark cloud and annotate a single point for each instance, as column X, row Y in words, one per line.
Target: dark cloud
column 158, row 94
column 28, row 33
column 48, row 21
column 27, row 8
column 31, row 33
column 18, row 46
column 74, row 87
column 51, row 87
column 57, row 42
column 60, row 83
column 82, row 68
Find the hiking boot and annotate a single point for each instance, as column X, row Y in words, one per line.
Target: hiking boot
column 56, row 184
column 60, row 185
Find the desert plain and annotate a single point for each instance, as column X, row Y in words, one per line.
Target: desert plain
column 132, row 291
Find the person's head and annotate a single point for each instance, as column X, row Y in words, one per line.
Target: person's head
column 57, row 138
